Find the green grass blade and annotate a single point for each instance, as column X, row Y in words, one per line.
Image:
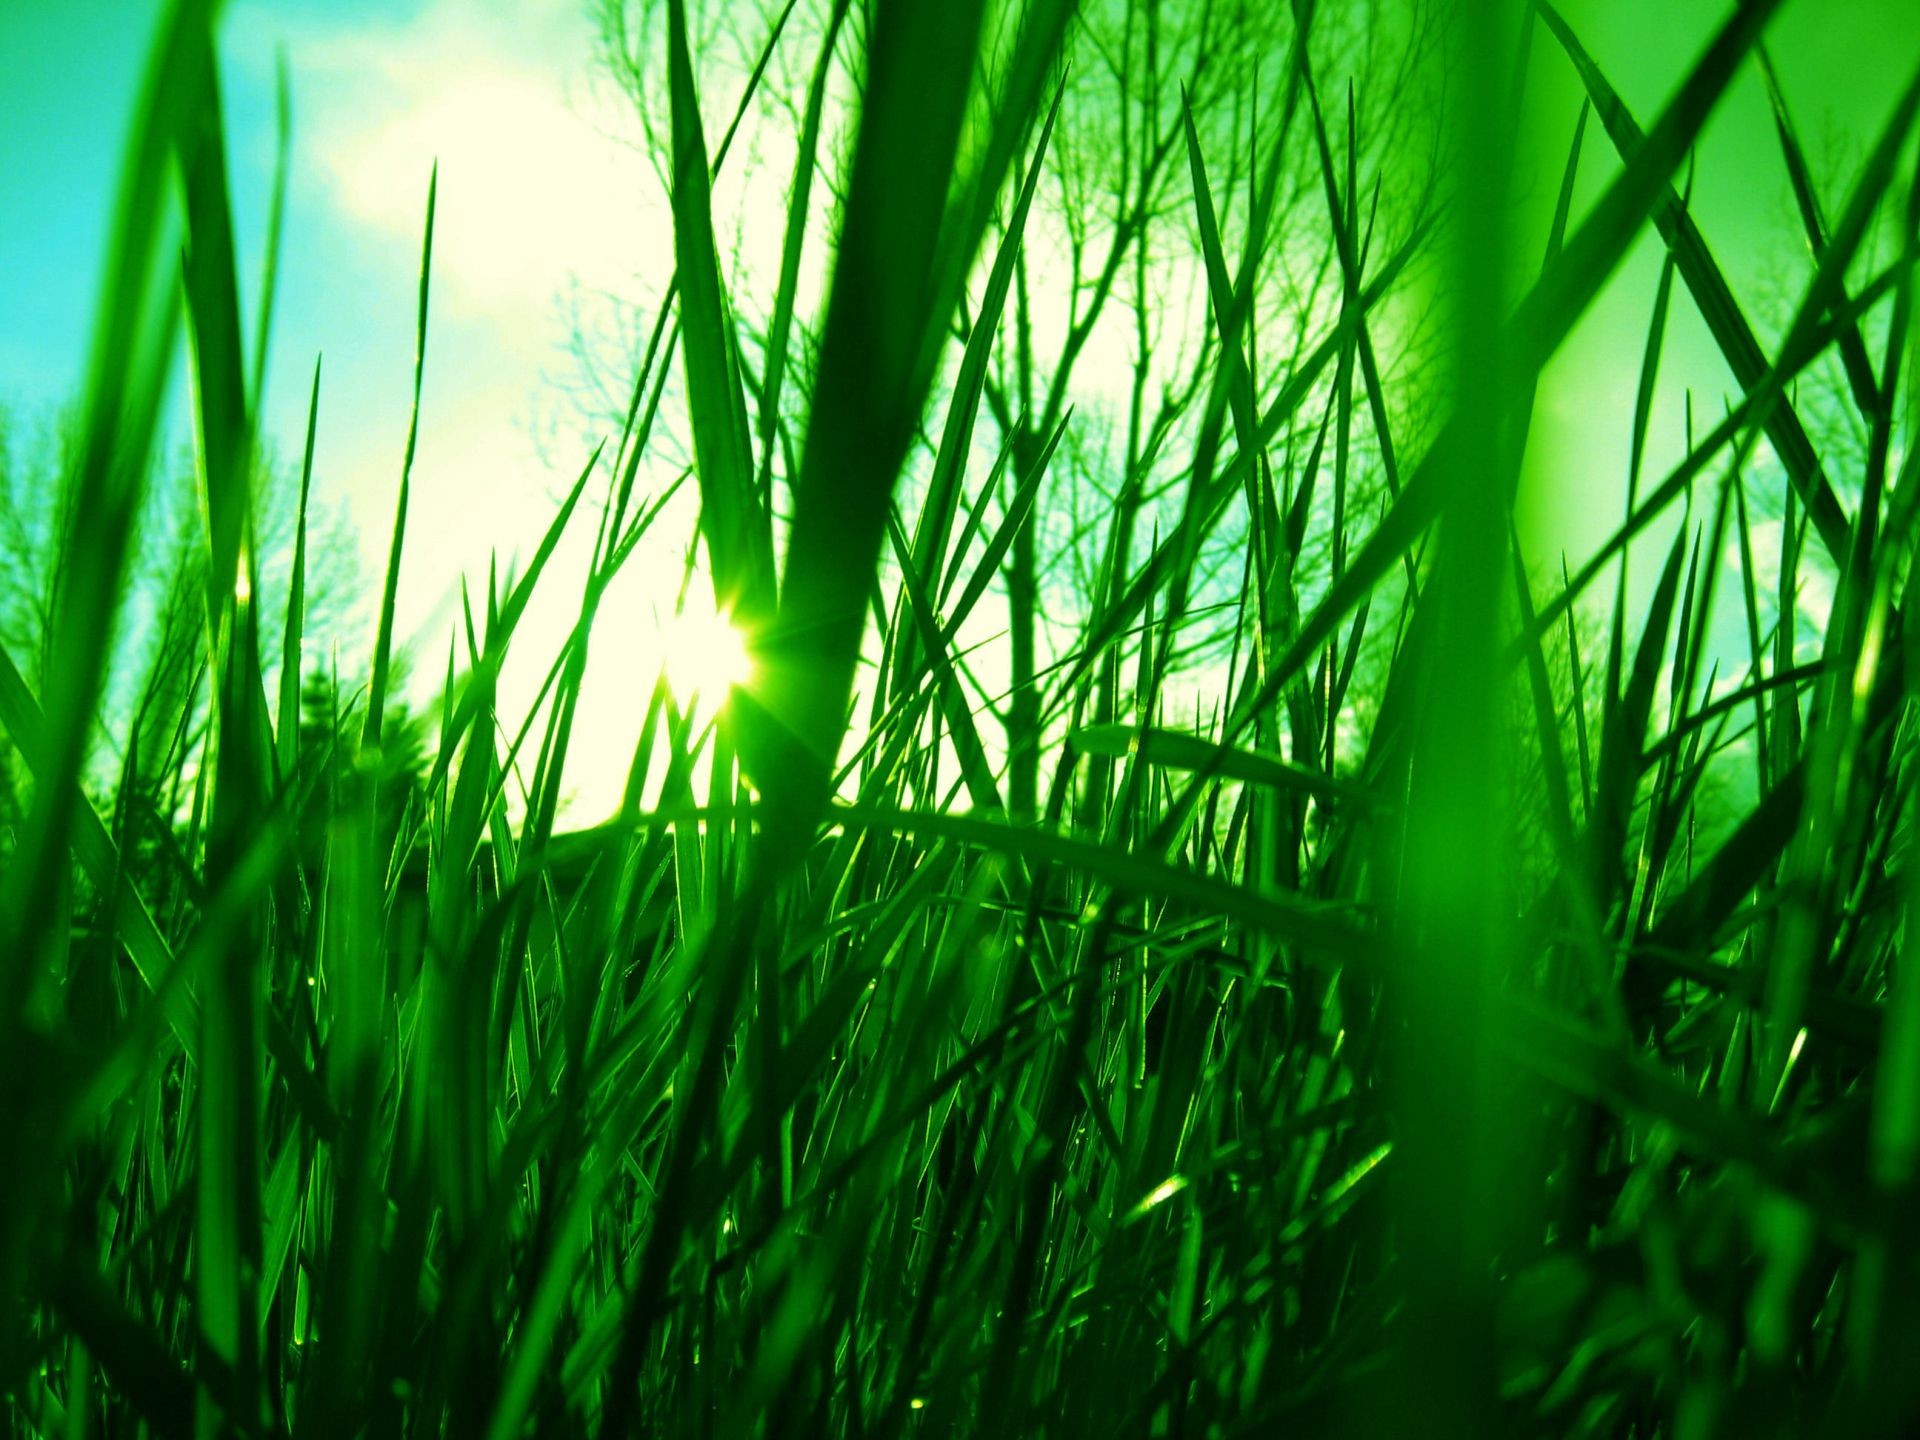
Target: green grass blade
column 735, row 521
column 880, row 315
column 371, row 731
column 276, row 218
column 293, row 634
column 227, row 1213
column 937, row 513
column 1731, row 330
column 799, row 199
column 1853, row 349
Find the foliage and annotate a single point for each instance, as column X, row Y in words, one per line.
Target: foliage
column 1255, row 1072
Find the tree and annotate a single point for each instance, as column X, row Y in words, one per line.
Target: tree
column 1155, row 97
column 154, row 712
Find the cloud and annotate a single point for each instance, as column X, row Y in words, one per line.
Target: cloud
column 535, row 187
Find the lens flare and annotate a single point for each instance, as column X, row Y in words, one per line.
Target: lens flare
column 706, row 655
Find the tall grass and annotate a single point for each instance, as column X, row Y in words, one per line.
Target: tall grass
column 895, row 1063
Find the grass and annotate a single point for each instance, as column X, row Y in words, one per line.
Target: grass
column 1484, row 1009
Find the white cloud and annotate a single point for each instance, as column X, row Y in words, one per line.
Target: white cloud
column 535, row 188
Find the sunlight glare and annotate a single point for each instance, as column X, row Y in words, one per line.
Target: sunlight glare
column 705, row 654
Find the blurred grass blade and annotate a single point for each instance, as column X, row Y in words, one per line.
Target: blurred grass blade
column 1729, row 325
column 227, row 1215
column 132, row 351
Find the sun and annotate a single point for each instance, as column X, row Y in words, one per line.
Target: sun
column 705, row 655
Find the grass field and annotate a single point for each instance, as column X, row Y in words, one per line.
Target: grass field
column 1360, row 985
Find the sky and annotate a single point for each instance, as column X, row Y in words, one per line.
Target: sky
column 539, row 200
column 543, row 197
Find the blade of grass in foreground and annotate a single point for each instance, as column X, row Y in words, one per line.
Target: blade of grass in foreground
column 132, row 352
column 356, row 966
column 799, row 196
column 1177, row 751
column 868, row 396
column 1853, row 349
column 1456, row 1148
column 293, row 634
column 227, row 1211
column 383, row 635
column 1325, row 932
column 276, row 216
column 736, row 524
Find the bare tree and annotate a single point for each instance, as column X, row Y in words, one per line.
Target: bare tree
column 1101, row 375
